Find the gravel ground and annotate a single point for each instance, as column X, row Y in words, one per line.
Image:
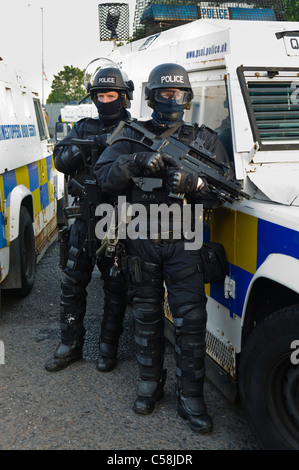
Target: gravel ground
column 80, row 408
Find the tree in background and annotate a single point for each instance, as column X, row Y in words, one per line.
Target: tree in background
column 292, row 8
column 67, row 86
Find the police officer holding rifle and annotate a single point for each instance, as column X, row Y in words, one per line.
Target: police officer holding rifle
column 118, row 170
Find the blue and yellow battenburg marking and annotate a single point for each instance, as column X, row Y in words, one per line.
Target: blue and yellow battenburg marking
column 39, row 177
column 247, row 240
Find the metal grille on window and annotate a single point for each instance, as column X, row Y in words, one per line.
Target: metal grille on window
column 154, row 16
column 114, row 21
column 276, row 110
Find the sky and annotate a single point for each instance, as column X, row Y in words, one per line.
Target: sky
column 70, row 36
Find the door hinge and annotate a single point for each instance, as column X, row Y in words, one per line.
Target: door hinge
column 229, row 287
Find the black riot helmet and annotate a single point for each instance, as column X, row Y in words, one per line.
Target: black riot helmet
column 104, row 75
column 167, row 76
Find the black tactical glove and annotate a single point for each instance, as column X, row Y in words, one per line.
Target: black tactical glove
column 181, row 181
column 99, row 140
column 169, row 160
column 68, row 159
column 149, row 163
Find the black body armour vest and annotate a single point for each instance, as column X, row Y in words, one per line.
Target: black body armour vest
column 186, row 134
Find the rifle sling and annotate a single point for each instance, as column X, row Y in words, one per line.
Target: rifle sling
column 171, row 130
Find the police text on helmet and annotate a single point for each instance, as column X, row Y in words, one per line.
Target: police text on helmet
column 106, row 80
column 172, row 78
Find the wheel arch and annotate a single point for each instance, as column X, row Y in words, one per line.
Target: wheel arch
column 20, row 196
column 274, row 286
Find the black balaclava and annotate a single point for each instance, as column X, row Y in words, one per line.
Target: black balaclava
column 111, row 111
column 168, row 111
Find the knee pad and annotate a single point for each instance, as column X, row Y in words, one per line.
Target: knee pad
column 70, row 283
column 190, row 319
column 79, row 266
column 147, row 309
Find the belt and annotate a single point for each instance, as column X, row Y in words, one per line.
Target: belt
column 163, row 241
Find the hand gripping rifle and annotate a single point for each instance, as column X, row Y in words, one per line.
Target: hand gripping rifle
column 89, row 193
column 193, row 158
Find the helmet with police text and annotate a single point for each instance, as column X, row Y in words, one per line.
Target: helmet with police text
column 168, row 76
column 104, row 75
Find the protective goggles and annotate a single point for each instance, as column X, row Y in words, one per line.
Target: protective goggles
column 180, row 96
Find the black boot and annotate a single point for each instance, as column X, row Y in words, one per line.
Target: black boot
column 190, row 351
column 108, row 357
column 65, row 355
column 193, row 409
column 149, row 394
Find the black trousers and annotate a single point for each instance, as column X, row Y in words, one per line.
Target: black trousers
column 163, row 263
column 76, row 277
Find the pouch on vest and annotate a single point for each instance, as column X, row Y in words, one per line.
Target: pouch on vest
column 213, row 262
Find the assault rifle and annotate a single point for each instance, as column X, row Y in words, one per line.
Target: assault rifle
column 193, row 158
column 88, row 193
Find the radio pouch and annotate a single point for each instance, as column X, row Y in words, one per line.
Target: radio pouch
column 213, row 262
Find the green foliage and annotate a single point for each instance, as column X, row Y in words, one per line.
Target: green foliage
column 67, row 86
column 292, row 9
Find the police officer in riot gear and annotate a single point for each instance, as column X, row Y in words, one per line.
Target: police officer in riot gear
column 168, row 93
column 111, row 92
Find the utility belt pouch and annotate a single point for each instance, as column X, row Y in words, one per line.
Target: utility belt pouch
column 213, row 262
column 131, row 267
column 63, row 239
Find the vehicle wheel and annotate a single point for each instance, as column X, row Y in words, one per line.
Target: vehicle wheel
column 269, row 382
column 27, row 252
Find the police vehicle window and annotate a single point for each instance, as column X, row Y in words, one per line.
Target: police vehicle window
column 145, row 111
column 40, row 120
column 210, row 107
column 194, row 113
column 215, row 113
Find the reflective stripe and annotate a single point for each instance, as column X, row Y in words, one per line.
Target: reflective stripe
column 247, row 241
column 39, row 177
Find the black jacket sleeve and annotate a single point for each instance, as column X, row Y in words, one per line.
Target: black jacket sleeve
column 67, row 157
column 116, row 167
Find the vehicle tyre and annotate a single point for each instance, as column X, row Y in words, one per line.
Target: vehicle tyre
column 269, row 381
column 27, row 252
